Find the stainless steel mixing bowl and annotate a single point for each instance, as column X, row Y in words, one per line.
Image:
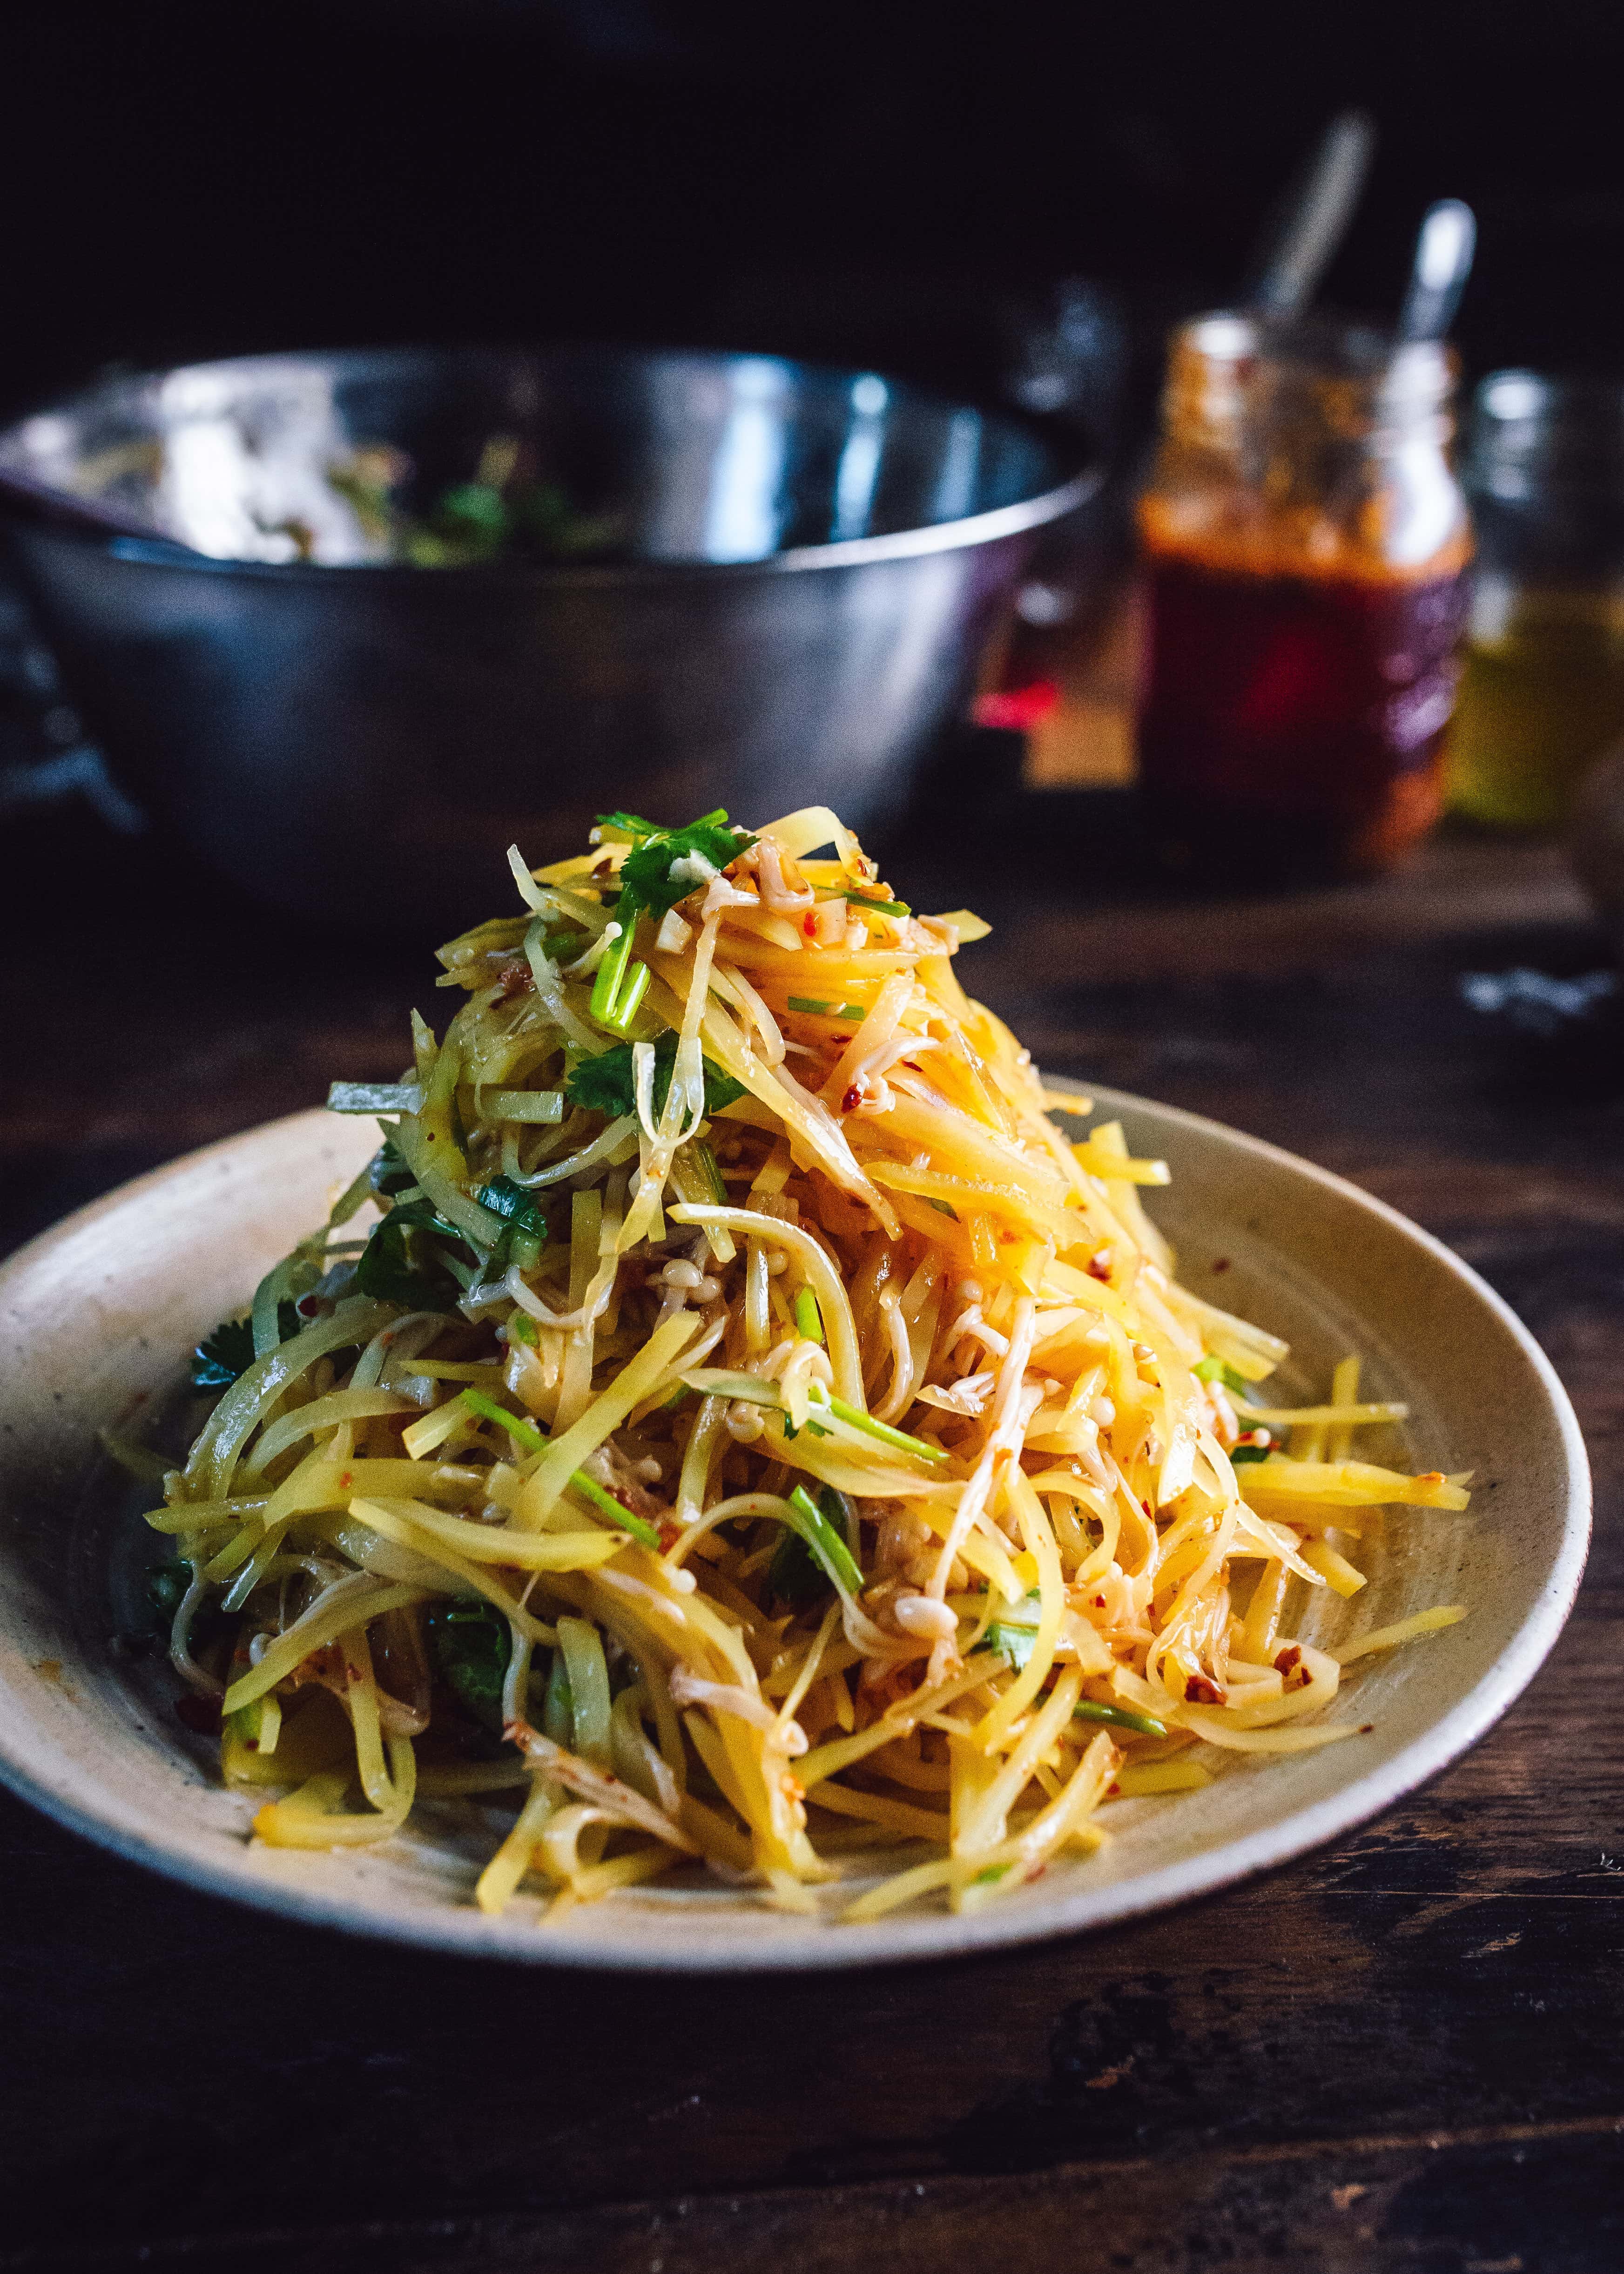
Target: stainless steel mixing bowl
column 810, row 567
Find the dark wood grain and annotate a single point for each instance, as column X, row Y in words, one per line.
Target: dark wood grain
column 1403, row 2052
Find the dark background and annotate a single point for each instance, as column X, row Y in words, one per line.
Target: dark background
column 1396, row 2056
column 844, row 177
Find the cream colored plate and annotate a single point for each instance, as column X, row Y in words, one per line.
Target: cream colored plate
column 94, row 1318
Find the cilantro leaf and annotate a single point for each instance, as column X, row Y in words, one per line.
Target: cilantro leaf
column 165, row 1589
column 229, row 1353
column 471, row 1645
column 511, row 1202
column 1013, row 1642
column 397, row 1266
column 390, row 1173
column 524, row 1219
column 795, row 1576
column 604, row 1084
column 646, row 878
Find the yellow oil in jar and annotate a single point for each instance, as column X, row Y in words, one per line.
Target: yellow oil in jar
column 1541, row 696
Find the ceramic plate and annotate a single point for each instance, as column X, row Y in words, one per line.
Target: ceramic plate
column 95, row 1316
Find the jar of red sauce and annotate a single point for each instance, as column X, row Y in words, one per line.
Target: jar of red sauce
column 1306, row 544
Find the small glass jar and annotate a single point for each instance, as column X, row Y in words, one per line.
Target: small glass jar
column 1542, row 692
column 1305, row 542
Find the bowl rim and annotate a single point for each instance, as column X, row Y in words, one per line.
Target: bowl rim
column 900, row 1938
column 127, row 538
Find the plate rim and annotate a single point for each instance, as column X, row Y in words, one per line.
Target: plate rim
column 909, row 1938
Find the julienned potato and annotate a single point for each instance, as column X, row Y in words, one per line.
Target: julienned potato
column 752, row 1434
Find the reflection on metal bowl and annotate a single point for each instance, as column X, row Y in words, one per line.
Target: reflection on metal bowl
column 795, row 574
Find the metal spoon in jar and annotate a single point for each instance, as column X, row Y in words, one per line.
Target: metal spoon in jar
column 1312, row 219
column 1438, row 276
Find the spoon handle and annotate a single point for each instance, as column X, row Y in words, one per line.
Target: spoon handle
column 1444, row 251
column 1313, row 218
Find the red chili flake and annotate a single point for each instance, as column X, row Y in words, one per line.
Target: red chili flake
column 1365, row 1728
column 1113, row 1792
column 1099, row 1602
column 808, row 924
column 1221, row 1263
column 669, row 1535
column 250, row 1744
column 345, row 1481
column 1288, row 1658
column 852, row 1100
column 1099, row 1267
column 1199, row 1691
column 1145, row 1504
column 514, row 979
column 200, row 1714
column 605, row 867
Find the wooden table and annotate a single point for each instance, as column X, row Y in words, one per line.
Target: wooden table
column 1405, row 2051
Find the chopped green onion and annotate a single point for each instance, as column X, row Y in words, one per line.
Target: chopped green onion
column 943, row 1208
column 993, row 1873
column 1120, row 1717
column 611, row 971
column 522, row 1329
column 825, row 1542
column 1214, row 1370
column 880, row 907
column 615, row 1511
column 525, row 1432
column 883, row 1430
column 628, row 998
column 1241, row 1454
column 375, row 1097
column 809, row 1317
column 828, row 1010
column 709, row 1162
column 533, row 1442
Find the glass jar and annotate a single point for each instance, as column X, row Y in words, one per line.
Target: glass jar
column 1542, row 691
column 1305, row 542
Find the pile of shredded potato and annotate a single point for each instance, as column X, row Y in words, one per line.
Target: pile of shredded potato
column 753, row 1433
